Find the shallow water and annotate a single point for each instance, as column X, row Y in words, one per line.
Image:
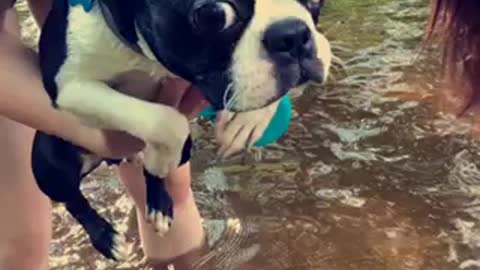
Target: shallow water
column 369, row 176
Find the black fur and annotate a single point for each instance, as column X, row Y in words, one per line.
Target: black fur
column 208, row 54
column 53, row 39
column 314, row 7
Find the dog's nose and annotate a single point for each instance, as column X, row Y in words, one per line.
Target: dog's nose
column 289, row 38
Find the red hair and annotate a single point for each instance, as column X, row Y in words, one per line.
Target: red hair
column 456, row 24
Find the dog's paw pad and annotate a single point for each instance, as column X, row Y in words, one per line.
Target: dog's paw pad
column 161, row 221
column 159, row 208
column 162, row 224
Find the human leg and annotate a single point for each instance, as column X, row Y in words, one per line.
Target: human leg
column 25, row 226
column 186, row 233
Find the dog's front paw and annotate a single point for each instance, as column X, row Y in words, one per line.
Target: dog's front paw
column 238, row 131
column 159, row 208
column 163, row 153
column 162, row 159
column 171, row 129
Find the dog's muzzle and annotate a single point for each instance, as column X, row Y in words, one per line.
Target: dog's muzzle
column 291, row 46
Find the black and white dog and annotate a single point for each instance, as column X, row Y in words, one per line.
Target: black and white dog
column 243, row 54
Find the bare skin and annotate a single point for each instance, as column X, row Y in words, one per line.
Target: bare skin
column 28, row 227
column 25, row 230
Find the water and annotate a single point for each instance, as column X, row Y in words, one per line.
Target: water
column 369, row 177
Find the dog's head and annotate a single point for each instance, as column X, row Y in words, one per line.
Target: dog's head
column 243, row 54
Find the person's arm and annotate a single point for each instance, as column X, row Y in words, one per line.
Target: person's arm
column 21, row 95
column 23, row 99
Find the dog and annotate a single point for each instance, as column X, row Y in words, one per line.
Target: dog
column 244, row 55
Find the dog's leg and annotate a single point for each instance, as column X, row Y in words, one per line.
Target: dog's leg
column 58, row 166
column 159, row 208
column 158, row 125
column 101, row 233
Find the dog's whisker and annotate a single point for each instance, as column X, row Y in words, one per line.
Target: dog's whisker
column 229, row 88
column 232, row 100
column 226, row 101
column 225, row 95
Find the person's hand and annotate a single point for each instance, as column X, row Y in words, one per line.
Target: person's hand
column 239, row 131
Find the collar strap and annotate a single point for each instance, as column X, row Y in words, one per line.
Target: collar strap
column 87, row 4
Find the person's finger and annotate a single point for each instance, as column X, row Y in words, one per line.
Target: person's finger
column 239, row 142
column 172, row 91
column 255, row 137
column 228, row 135
column 223, row 118
column 228, row 141
column 192, row 103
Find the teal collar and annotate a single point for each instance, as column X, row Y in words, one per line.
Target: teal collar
column 87, row 4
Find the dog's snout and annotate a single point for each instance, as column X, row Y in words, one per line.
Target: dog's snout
column 289, row 38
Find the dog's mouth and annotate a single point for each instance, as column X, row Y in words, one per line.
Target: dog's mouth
column 216, row 86
column 311, row 70
column 299, row 73
column 288, row 77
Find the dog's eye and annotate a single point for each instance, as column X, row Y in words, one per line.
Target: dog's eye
column 214, row 17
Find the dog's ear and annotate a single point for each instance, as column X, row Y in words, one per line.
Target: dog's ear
column 314, row 7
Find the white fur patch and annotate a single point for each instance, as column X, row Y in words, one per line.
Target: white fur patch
column 95, row 53
column 97, row 57
column 254, row 79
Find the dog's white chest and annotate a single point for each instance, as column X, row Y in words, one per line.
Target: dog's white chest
column 95, row 53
